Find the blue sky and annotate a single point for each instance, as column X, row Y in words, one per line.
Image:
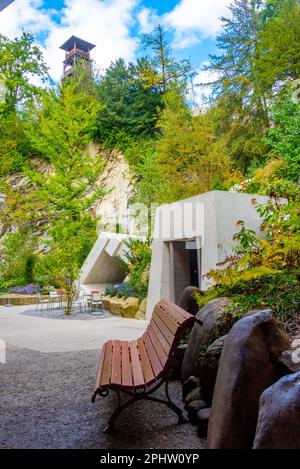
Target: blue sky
column 115, row 26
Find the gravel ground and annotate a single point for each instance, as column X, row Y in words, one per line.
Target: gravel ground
column 59, row 313
column 45, row 403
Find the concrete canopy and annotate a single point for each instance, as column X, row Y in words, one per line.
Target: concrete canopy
column 101, row 268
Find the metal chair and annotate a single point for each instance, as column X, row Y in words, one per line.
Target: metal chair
column 43, row 301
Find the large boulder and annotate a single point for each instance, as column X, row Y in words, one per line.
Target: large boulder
column 130, row 307
column 248, row 366
column 209, row 368
column 279, row 415
column 212, row 317
column 187, row 300
column 141, row 314
column 115, row 305
column 106, row 302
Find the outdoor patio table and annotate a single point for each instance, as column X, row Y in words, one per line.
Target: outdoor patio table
column 61, row 294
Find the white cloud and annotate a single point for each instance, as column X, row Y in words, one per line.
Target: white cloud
column 201, row 91
column 105, row 23
column 24, row 14
column 148, row 19
column 194, row 20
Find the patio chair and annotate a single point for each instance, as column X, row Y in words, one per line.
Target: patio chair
column 43, row 301
column 55, row 298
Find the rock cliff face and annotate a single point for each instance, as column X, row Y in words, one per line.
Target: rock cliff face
column 118, row 181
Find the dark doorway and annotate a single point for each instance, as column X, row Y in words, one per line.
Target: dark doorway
column 185, row 267
column 194, row 271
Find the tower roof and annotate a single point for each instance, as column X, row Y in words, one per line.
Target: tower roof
column 80, row 43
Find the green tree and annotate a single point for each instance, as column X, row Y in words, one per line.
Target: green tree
column 189, row 156
column 284, row 136
column 160, row 68
column 128, row 109
column 20, row 60
column 60, row 131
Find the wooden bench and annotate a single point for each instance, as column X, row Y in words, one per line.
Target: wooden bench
column 139, row 367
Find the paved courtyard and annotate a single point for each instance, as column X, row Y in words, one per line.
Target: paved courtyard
column 47, row 382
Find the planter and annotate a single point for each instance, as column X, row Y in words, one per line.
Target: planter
column 19, row 300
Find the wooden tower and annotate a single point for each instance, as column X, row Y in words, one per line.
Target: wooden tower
column 76, row 49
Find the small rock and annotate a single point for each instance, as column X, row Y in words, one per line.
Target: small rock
column 278, row 424
column 287, row 360
column 194, row 395
column 193, row 408
column 189, row 385
column 203, row 419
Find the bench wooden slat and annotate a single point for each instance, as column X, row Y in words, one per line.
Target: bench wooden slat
column 146, row 365
column 116, row 372
column 169, row 322
column 165, row 344
column 163, row 357
column 163, row 328
column 126, row 365
column 154, row 360
column 137, row 373
column 174, row 309
column 175, row 314
column 106, row 370
column 100, row 366
column 139, row 363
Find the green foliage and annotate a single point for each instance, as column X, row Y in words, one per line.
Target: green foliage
column 264, row 272
column 128, row 109
column 284, row 137
column 16, row 260
column 160, row 69
column 60, row 131
column 135, row 263
column 20, row 60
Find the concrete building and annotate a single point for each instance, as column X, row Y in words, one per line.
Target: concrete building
column 192, row 236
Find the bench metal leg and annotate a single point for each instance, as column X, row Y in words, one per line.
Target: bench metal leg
column 147, row 396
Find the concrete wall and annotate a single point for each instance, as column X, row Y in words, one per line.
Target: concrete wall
column 214, row 216
column 101, row 267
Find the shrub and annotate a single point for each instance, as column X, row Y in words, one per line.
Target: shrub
column 135, row 264
column 263, row 272
column 30, row 289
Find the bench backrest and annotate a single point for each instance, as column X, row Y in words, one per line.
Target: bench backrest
column 162, row 336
